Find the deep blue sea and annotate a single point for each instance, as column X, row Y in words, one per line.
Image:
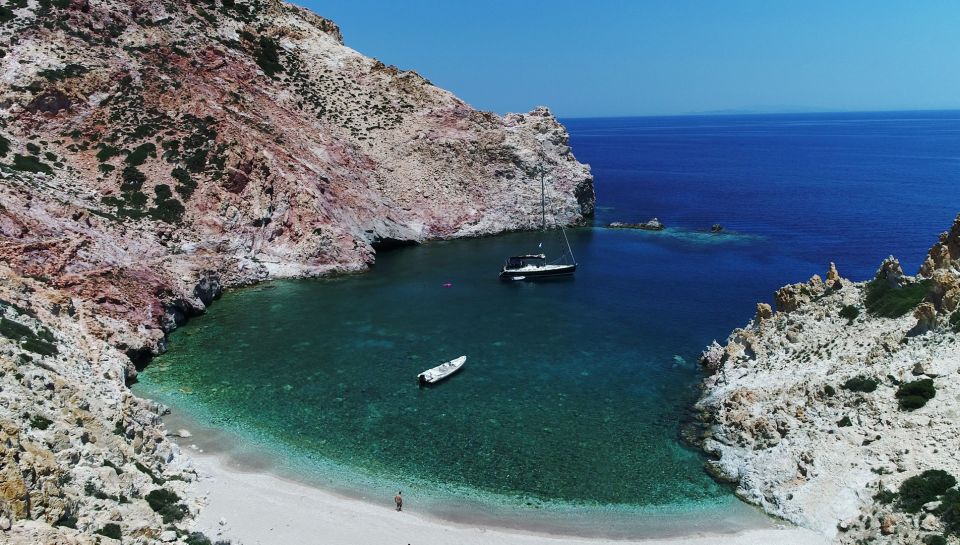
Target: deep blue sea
column 574, row 392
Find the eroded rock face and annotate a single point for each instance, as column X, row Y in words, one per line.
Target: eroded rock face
column 243, row 140
column 945, row 254
column 800, row 445
column 155, row 153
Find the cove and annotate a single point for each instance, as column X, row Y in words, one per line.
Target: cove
column 572, row 396
column 574, row 392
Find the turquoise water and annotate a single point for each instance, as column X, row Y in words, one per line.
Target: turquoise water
column 568, row 394
column 574, row 392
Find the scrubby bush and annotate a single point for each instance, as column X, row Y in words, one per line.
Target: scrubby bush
column 913, row 395
column 934, row 539
column 166, row 503
column 111, row 530
column 861, row 384
column 268, row 56
column 166, row 208
column 844, row 422
column 140, row 154
column 196, row 538
column 955, row 321
column 849, row 312
column 40, row 422
column 924, row 488
column 949, row 511
column 892, row 302
column 4, row 146
column 185, row 184
column 885, row 496
column 38, row 346
column 829, row 391
column 106, row 152
column 14, row 330
column 30, row 163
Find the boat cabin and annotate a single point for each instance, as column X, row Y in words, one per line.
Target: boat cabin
column 521, row 261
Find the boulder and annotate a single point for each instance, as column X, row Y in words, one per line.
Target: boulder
column 833, row 276
column 926, row 315
column 891, row 272
column 764, row 312
column 945, row 254
column 888, row 525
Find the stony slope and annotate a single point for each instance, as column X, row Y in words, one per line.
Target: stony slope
column 152, row 153
column 803, row 441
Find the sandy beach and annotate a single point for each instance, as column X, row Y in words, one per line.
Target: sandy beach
column 256, row 508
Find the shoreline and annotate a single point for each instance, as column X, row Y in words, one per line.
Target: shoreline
column 298, row 513
column 243, row 491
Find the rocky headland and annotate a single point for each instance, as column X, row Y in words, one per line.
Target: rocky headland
column 838, row 409
column 153, row 154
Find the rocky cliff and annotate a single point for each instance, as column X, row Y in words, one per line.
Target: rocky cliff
column 839, row 411
column 152, row 153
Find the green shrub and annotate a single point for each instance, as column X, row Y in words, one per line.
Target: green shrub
column 106, row 152
column 6, row 15
column 185, row 184
column 268, row 56
column 69, row 71
column 33, row 148
column 196, row 538
column 38, row 346
column 829, row 391
column 955, row 321
column 861, row 384
column 934, row 539
column 14, row 330
column 849, row 312
column 4, row 146
column 913, row 395
column 166, row 503
column 39, row 422
column 844, row 422
column 924, row 488
column 140, row 153
column 949, row 511
column 893, row 302
column 166, row 208
column 111, row 530
column 141, row 467
column 30, row 163
column 885, row 496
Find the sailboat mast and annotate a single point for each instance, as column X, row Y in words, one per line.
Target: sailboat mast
column 543, row 201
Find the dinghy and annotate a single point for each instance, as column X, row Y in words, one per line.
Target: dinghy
column 442, row 371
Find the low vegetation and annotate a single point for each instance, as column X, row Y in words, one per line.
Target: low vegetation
column 268, row 56
column 924, row 488
column 30, row 163
column 892, row 302
column 861, row 384
column 41, row 342
column 111, row 530
column 849, row 312
column 167, row 504
column 955, row 321
column 913, row 395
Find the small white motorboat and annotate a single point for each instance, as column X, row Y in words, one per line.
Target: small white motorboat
column 442, row 371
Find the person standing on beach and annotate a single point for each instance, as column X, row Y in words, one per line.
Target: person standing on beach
column 398, row 499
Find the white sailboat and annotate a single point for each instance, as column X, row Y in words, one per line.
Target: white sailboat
column 536, row 266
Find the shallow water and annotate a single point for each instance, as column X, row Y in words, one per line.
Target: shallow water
column 574, row 391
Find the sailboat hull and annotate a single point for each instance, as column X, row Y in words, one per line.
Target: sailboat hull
column 538, row 273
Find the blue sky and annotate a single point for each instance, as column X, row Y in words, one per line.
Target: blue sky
column 621, row 57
